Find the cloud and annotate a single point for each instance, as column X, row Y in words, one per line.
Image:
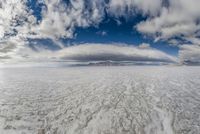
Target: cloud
column 60, row 19
column 15, row 22
column 12, row 16
column 189, row 54
column 144, row 46
column 180, row 19
column 102, row 33
column 129, row 7
column 166, row 20
column 178, row 23
column 6, row 47
column 97, row 52
column 113, row 52
column 10, row 49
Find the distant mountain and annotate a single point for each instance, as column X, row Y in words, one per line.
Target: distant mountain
column 118, row 63
column 190, row 63
column 106, row 63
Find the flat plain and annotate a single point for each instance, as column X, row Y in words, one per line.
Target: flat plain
column 100, row 100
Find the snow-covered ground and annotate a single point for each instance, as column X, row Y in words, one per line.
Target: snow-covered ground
column 100, row 100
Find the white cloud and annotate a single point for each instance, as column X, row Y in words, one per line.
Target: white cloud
column 144, row 46
column 128, row 7
column 102, row 52
column 178, row 20
column 13, row 14
column 90, row 52
column 10, row 49
column 189, row 54
column 59, row 19
column 194, row 40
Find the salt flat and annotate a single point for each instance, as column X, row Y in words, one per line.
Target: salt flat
column 100, row 100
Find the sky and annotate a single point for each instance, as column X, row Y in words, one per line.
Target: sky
column 100, row 30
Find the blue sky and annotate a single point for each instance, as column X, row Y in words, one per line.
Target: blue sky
column 125, row 32
column 34, row 27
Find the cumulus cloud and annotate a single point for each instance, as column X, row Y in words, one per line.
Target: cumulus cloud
column 166, row 20
column 178, row 23
column 9, row 51
column 179, row 19
column 59, row 19
column 190, row 54
column 13, row 14
column 127, row 7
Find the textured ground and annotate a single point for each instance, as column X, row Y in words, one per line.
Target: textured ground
column 100, row 100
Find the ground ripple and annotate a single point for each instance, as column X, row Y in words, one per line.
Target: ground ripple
column 100, row 100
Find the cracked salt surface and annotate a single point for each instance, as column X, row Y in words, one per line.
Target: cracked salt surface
column 100, row 100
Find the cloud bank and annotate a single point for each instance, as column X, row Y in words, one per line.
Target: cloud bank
column 101, row 52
